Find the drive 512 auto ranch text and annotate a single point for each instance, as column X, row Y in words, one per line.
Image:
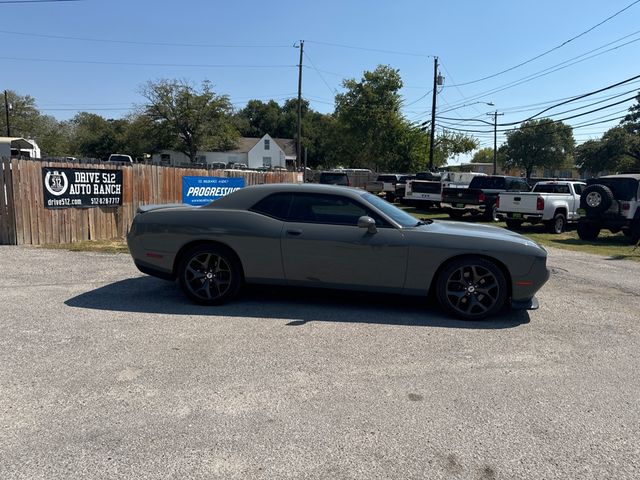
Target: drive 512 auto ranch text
column 72, row 187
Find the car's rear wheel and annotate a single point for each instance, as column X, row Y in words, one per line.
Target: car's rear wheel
column 210, row 275
column 588, row 231
column 557, row 224
column 471, row 288
column 491, row 214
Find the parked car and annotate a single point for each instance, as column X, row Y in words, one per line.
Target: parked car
column 611, row 202
column 553, row 203
column 335, row 178
column 334, row 237
column 401, row 186
column 384, row 184
column 426, row 189
column 481, row 196
column 120, row 158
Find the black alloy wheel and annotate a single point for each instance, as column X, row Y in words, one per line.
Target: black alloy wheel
column 210, row 275
column 471, row 288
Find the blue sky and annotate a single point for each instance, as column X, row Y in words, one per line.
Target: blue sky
column 246, row 49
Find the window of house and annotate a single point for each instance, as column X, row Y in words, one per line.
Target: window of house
column 266, row 161
column 267, row 144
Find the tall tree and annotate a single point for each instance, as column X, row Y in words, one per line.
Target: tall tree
column 195, row 119
column 617, row 151
column 369, row 119
column 539, row 143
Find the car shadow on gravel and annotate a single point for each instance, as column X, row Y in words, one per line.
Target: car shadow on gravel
column 299, row 305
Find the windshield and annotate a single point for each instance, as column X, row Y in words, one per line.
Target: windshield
column 497, row 183
column 401, row 217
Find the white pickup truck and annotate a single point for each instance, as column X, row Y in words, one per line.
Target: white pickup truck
column 553, row 203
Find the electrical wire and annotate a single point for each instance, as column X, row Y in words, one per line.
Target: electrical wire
column 332, row 90
column 367, row 49
column 551, row 49
column 134, row 64
column 135, row 42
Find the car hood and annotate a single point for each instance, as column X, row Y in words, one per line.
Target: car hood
column 478, row 233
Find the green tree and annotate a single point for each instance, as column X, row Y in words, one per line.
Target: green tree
column 617, row 151
column 94, row 136
column 26, row 121
column 194, row 119
column 484, row 155
column 539, row 143
column 369, row 122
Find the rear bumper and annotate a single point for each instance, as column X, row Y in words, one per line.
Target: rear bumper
column 466, row 208
column 525, row 217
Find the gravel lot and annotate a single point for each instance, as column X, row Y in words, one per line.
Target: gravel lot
column 106, row 373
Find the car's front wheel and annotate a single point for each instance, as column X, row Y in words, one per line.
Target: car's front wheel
column 471, row 288
column 210, row 275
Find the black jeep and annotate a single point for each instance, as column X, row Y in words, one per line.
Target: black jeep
column 611, row 202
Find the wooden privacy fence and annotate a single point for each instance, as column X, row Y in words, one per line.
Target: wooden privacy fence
column 24, row 220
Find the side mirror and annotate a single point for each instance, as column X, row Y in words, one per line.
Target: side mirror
column 368, row 223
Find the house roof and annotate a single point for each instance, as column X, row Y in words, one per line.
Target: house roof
column 245, row 144
column 17, row 142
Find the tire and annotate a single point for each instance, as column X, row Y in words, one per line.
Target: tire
column 588, row 231
column 390, row 197
column 491, row 214
column 471, row 288
column 596, row 198
column 514, row 224
column 455, row 215
column 634, row 231
column 210, row 275
column 558, row 224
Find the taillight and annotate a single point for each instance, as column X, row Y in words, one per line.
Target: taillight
column 482, row 197
column 540, row 203
column 498, row 202
column 626, row 206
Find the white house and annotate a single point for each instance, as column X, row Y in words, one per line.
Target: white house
column 14, row 147
column 253, row 152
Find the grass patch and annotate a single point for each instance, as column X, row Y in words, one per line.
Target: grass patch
column 103, row 246
column 612, row 246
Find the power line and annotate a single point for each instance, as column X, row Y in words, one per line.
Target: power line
column 136, row 42
column 367, row 49
column 560, row 66
column 332, row 90
column 135, row 64
column 38, row 1
column 551, row 49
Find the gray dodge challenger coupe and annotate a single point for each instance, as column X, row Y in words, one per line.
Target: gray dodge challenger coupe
column 334, row 237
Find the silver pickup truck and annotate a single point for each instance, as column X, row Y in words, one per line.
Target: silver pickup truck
column 553, row 203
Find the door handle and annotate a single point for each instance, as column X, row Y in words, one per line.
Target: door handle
column 295, row 233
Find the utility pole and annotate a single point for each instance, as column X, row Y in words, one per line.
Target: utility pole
column 495, row 140
column 299, row 140
column 433, row 112
column 6, row 112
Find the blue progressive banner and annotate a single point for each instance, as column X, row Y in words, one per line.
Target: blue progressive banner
column 203, row 190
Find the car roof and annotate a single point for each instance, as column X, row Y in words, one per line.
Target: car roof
column 246, row 197
column 635, row 176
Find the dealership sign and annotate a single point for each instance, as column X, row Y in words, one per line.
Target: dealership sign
column 203, row 190
column 81, row 188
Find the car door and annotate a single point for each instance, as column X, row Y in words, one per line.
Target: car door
column 323, row 246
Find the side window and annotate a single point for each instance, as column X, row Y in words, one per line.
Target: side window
column 578, row 188
column 329, row 209
column 276, row 206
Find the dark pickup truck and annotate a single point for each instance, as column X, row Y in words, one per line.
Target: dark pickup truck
column 480, row 198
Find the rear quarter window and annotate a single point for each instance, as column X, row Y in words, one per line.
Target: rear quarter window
column 275, row 206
